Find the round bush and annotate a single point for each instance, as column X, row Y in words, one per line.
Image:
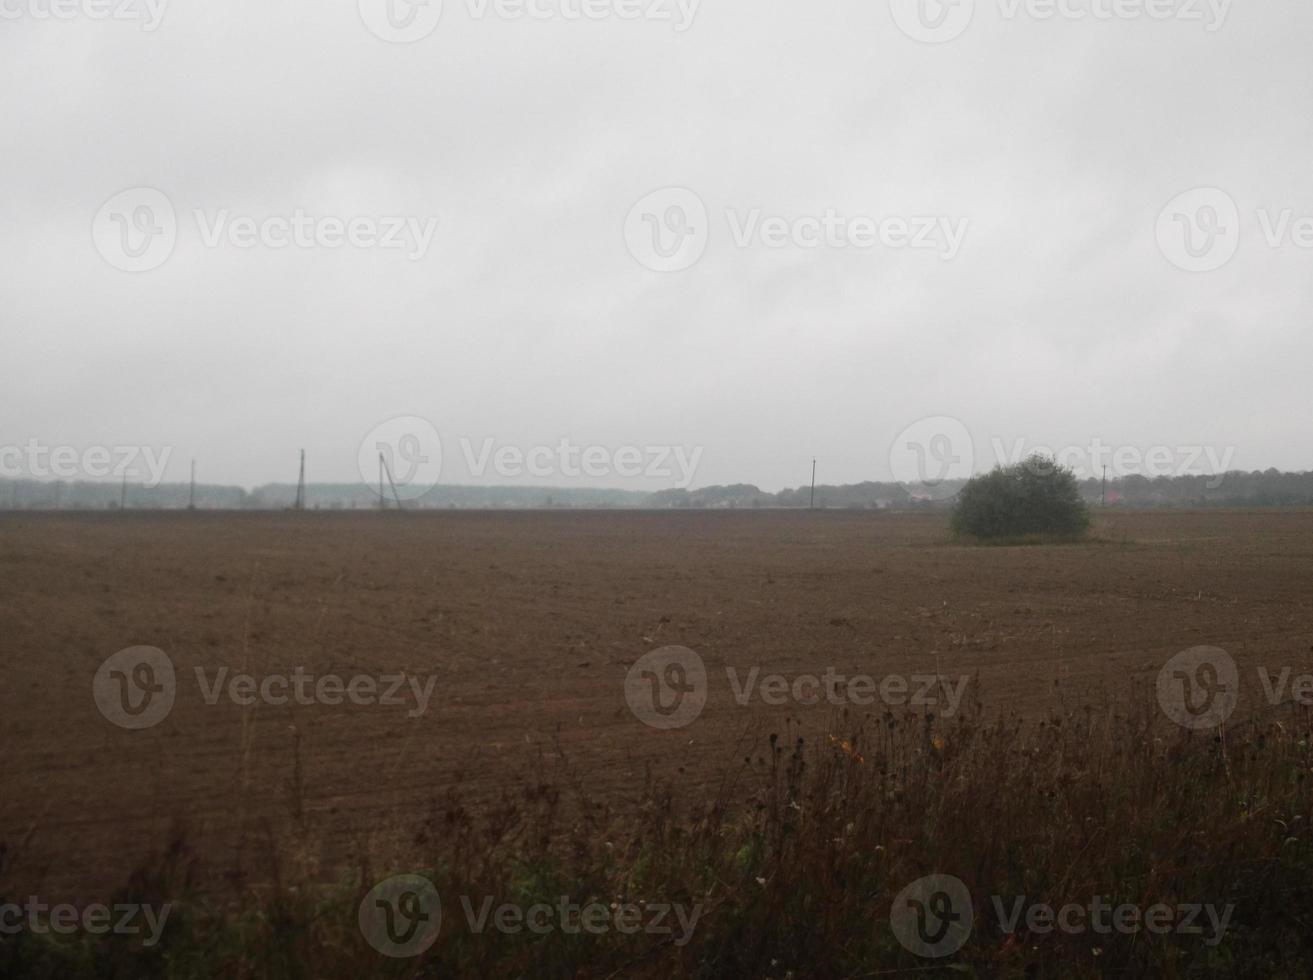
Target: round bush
column 1034, row 498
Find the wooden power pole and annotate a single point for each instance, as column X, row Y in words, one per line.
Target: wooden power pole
column 300, row 486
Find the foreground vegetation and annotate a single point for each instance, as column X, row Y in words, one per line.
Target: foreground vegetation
column 796, row 862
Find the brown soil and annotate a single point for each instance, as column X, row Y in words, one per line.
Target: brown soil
column 530, row 622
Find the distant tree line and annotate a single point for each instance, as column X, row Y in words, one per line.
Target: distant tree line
column 1269, row 488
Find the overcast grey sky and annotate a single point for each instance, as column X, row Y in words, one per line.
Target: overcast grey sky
column 1038, row 158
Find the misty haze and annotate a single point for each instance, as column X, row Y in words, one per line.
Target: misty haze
column 655, row 488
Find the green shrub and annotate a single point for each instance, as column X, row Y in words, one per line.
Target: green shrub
column 1036, row 498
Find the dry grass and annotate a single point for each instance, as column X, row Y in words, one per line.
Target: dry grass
column 796, row 861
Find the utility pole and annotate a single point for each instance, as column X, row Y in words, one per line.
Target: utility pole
column 123, row 494
column 191, row 494
column 300, row 486
column 1103, row 501
column 383, row 468
column 812, row 506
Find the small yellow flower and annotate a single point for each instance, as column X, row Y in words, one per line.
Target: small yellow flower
column 847, row 748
